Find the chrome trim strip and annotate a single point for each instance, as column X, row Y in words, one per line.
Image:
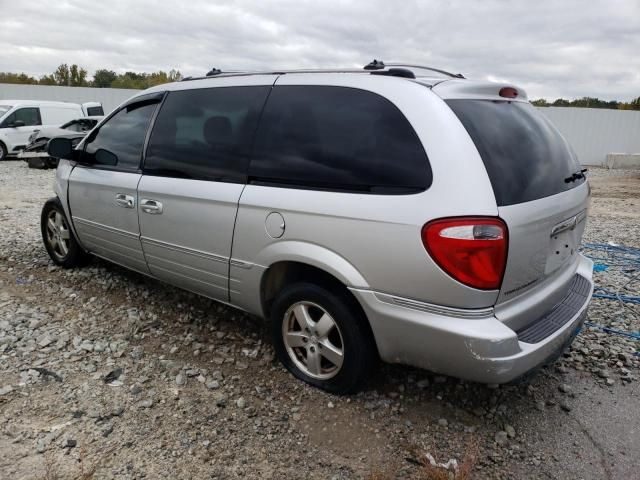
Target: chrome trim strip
column 568, row 224
column 241, row 264
column 99, row 226
column 468, row 313
column 188, row 251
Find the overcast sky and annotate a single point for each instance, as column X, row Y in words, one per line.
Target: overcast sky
column 552, row 48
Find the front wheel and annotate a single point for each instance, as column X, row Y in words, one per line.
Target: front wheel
column 58, row 238
column 322, row 338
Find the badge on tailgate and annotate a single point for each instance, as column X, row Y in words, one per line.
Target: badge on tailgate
column 564, row 242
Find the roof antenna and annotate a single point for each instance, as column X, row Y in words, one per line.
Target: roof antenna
column 213, row 71
column 375, row 65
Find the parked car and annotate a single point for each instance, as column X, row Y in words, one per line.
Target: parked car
column 19, row 118
column 395, row 212
column 35, row 153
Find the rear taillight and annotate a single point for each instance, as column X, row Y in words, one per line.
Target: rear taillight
column 472, row 250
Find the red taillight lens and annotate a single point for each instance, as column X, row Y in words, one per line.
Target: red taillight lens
column 472, row 250
column 508, row 92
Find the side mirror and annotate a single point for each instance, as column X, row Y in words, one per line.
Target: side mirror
column 17, row 123
column 60, row 148
column 105, row 157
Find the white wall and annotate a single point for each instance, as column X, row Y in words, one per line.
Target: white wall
column 595, row 132
column 110, row 98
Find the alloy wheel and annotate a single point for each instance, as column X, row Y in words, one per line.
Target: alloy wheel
column 58, row 234
column 313, row 340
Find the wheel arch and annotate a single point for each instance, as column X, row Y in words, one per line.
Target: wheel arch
column 6, row 149
column 287, row 272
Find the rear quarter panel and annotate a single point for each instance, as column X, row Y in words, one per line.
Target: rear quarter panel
column 377, row 236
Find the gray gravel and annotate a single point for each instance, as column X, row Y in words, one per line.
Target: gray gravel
column 138, row 379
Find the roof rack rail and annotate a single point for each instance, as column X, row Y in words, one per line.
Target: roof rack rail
column 395, row 72
column 214, row 71
column 375, row 65
column 444, row 72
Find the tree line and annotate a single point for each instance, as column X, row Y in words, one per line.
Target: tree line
column 75, row 76
column 589, row 102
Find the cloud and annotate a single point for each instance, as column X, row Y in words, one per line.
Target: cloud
column 553, row 49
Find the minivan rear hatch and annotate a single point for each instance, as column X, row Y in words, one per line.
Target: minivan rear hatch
column 541, row 194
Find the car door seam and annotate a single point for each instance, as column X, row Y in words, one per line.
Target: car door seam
column 235, row 220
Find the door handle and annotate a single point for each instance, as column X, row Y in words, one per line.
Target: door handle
column 124, row 200
column 152, row 207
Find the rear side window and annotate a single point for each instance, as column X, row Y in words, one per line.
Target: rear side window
column 205, row 134
column 95, row 111
column 337, row 138
column 525, row 156
column 119, row 141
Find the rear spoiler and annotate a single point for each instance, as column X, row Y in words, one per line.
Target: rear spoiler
column 479, row 90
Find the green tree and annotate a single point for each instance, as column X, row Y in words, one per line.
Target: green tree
column 130, row 80
column 175, row 75
column 47, row 80
column 61, row 75
column 103, row 78
column 541, row 102
column 73, row 76
column 77, row 76
column 19, row 78
column 632, row 105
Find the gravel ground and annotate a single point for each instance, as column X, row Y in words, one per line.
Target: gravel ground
column 107, row 373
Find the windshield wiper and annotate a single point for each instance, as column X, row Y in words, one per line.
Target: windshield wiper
column 576, row 176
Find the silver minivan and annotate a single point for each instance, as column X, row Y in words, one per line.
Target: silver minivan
column 397, row 212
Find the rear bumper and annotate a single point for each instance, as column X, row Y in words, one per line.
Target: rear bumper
column 24, row 155
column 477, row 348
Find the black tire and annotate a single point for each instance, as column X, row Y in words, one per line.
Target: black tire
column 353, row 333
column 72, row 255
column 36, row 162
column 3, row 152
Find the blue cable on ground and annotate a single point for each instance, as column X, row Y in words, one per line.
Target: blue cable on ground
column 627, row 258
column 604, row 328
column 600, row 292
column 627, row 261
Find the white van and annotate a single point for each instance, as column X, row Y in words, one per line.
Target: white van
column 20, row 118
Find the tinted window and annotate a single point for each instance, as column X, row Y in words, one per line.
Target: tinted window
column 338, row 138
column 30, row 116
column 120, row 140
column 525, row 156
column 95, row 111
column 205, row 134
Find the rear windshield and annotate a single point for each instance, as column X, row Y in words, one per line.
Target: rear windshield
column 525, row 156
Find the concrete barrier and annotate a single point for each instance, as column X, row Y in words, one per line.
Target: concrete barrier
column 622, row 160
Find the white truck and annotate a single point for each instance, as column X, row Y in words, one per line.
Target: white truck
column 20, row 118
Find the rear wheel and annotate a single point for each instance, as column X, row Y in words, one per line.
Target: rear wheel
column 58, row 238
column 322, row 338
